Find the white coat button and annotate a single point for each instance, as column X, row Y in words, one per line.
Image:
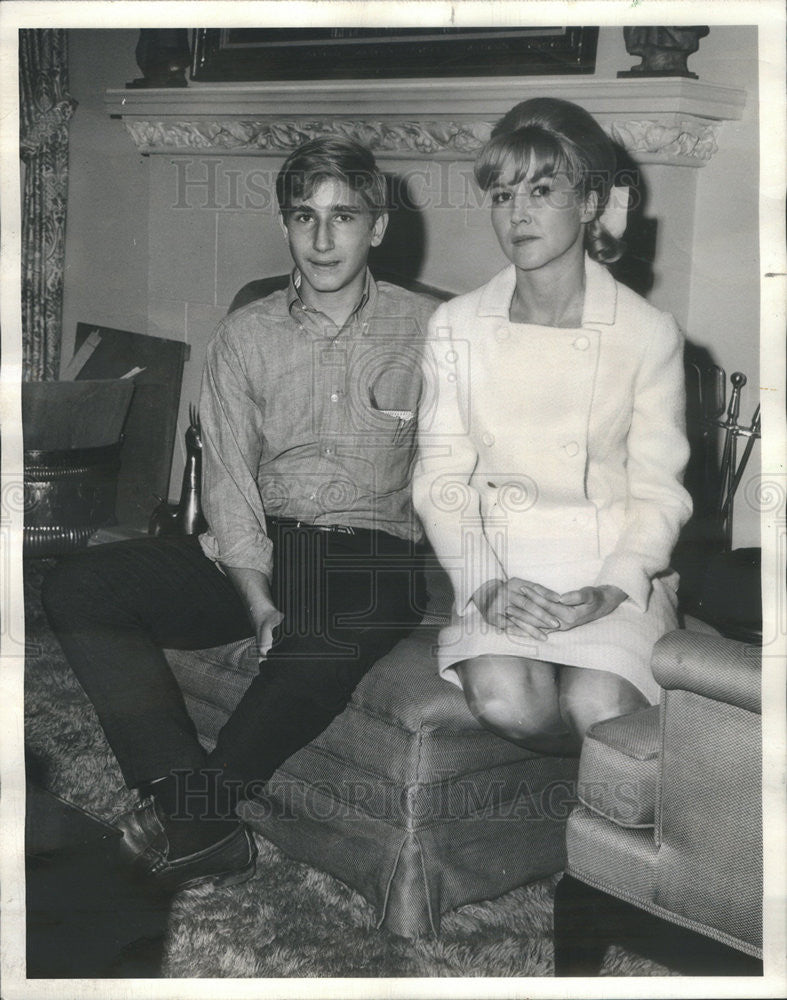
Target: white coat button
column 488, row 439
column 572, row 449
column 334, row 397
column 451, row 357
column 582, row 343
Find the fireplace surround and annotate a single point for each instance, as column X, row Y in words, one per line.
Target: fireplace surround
column 672, row 121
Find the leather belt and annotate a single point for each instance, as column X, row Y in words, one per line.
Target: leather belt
column 336, row 529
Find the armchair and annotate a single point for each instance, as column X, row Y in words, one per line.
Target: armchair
column 666, row 842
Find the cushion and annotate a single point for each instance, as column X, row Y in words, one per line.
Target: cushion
column 618, row 770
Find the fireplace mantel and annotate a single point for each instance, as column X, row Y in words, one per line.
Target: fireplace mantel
column 659, row 120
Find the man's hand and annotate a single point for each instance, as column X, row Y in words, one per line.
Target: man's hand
column 265, row 618
column 587, row 604
column 255, row 591
column 519, row 606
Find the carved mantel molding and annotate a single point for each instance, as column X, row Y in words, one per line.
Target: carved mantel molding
column 672, row 121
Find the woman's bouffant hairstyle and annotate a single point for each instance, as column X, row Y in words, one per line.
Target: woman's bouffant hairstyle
column 331, row 157
column 556, row 136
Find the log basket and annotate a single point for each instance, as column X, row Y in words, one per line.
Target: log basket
column 68, row 495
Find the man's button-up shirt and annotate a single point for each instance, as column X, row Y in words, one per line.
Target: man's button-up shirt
column 301, row 419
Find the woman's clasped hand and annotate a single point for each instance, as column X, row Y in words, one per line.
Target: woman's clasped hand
column 523, row 607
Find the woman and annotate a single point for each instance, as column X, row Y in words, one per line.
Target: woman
column 552, row 448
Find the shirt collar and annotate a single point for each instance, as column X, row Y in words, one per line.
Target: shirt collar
column 600, row 294
column 366, row 303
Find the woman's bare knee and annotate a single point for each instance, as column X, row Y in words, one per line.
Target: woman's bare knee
column 516, row 699
column 508, row 720
column 590, row 696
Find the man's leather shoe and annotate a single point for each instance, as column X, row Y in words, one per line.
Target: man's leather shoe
column 145, row 844
column 141, row 826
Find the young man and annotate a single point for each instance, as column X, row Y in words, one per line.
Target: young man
column 307, row 412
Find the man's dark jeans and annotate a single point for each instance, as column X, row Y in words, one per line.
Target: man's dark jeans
column 346, row 598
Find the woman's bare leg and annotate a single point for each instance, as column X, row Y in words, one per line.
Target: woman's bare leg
column 587, row 696
column 518, row 699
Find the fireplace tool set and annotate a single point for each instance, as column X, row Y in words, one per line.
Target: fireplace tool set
column 712, row 396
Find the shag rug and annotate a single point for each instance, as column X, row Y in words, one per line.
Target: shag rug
column 289, row 920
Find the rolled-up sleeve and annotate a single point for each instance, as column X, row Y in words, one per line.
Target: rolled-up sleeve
column 657, row 452
column 232, row 435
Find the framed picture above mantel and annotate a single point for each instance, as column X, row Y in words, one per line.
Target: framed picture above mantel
column 260, row 54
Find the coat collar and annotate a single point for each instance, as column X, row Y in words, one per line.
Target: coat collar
column 601, row 294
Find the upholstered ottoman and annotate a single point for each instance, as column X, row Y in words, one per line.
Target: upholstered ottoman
column 404, row 797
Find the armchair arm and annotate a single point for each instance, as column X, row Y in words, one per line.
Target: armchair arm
column 712, row 666
column 709, row 808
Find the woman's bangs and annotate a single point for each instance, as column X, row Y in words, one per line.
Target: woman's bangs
column 528, row 151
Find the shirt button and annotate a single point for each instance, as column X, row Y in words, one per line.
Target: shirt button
column 451, row 357
column 488, row 439
column 572, row 449
column 328, row 451
column 582, row 343
column 334, row 397
column 312, row 496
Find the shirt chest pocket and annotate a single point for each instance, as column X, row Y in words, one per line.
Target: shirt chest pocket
column 395, row 388
column 392, row 388
column 388, row 426
column 383, row 387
